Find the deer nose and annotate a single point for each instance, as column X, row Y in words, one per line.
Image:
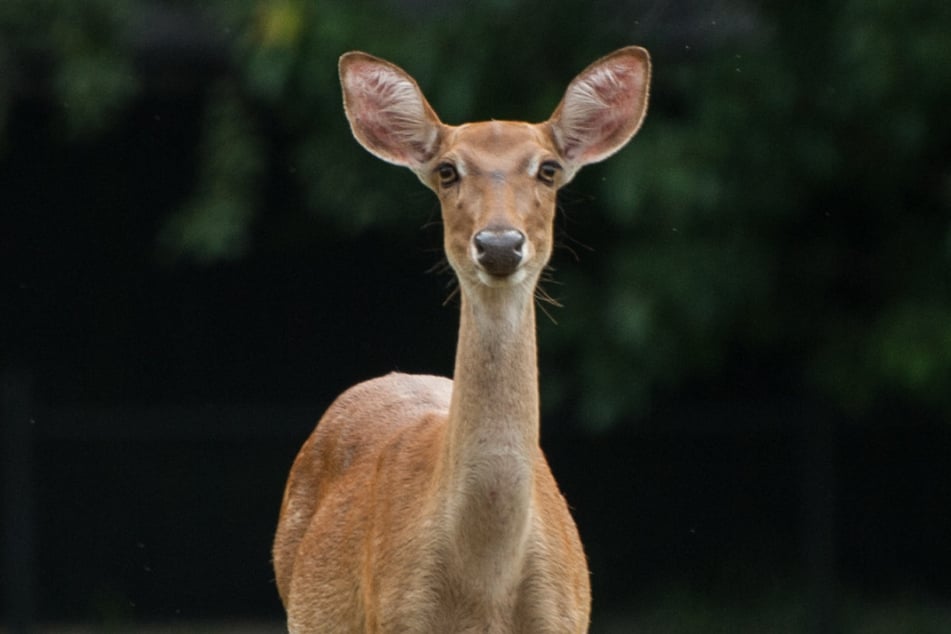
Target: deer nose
column 499, row 251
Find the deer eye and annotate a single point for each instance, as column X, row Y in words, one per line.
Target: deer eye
column 447, row 174
column 548, row 171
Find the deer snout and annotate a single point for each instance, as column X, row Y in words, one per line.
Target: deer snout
column 499, row 251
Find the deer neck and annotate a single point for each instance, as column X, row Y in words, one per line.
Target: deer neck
column 493, row 427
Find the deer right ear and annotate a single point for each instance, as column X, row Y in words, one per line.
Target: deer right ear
column 603, row 107
column 387, row 111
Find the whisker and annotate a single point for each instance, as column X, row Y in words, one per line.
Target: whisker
column 435, row 218
column 442, row 267
column 561, row 246
column 541, row 306
column 548, row 276
column 543, row 296
column 564, row 241
column 452, row 294
column 576, row 241
column 434, row 222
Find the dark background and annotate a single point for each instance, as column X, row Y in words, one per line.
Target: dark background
column 748, row 389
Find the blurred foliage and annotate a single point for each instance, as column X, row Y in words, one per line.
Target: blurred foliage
column 82, row 45
column 787, row 200
column 215, row 224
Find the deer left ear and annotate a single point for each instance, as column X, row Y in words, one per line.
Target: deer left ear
column 387, row 111
column 603, row 107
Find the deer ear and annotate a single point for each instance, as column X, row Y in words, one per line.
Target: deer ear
column 387, row 111
column 603, row 107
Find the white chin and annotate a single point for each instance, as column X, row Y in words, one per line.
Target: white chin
column 492, row 281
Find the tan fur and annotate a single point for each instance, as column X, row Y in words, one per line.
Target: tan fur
column 421, row 504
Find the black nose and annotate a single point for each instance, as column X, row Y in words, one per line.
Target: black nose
column 499, row 251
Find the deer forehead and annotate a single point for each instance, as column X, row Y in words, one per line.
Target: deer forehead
column 499, row 149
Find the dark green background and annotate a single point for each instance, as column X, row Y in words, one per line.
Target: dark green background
column 747, row 392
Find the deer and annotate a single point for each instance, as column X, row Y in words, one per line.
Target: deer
column 424, row 504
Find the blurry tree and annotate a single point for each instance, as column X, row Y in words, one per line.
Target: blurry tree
column 786, row 203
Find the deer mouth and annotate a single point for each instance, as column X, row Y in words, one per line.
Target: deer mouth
column 501, row 281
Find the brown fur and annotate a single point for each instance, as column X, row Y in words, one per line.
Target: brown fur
column 421, row 504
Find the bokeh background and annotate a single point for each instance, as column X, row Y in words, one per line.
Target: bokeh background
column 747, row 388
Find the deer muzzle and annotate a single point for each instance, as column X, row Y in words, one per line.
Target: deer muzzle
column 499, row 251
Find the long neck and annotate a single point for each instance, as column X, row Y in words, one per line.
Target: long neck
column 492, row 441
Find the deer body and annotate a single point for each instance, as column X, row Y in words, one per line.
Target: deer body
column 421, row 504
